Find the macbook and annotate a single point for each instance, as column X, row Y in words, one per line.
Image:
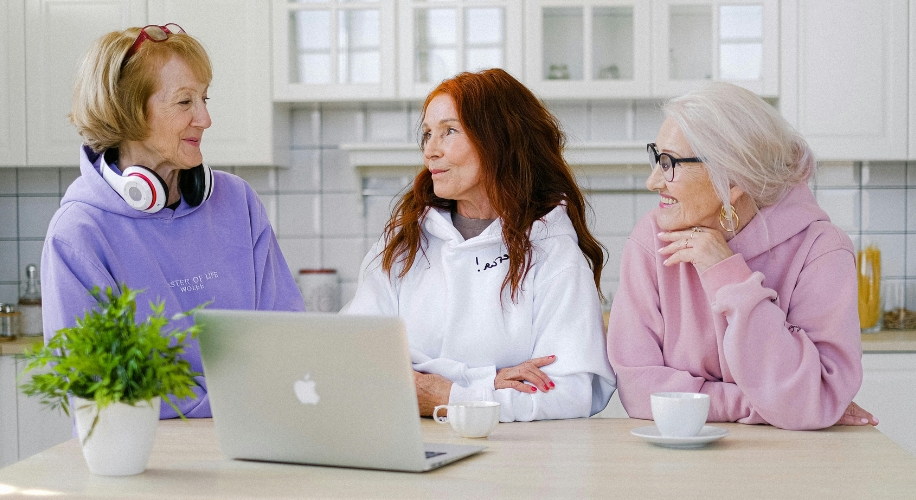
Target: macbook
column 314, row 388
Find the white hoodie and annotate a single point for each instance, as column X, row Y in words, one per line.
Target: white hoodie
column 457, row 326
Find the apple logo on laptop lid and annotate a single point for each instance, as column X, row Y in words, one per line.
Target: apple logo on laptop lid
column 305, row 391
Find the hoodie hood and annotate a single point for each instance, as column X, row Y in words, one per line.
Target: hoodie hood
column 779, row 222
column 90, row 188
column 438, row 223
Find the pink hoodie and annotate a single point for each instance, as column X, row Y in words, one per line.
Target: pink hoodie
column 771, row 333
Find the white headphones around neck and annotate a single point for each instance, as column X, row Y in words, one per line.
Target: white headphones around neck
column 145, row 191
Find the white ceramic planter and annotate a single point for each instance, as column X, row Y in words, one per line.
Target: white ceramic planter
column 123, row 438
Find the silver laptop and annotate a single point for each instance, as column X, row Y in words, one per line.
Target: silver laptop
column 313, row 388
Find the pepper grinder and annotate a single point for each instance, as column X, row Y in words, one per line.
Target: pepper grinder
column 30, row 305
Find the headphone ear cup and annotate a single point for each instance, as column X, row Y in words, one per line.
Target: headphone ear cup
column 142, row 189
column 196, row 184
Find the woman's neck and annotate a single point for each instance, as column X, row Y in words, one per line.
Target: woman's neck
column 133, row 153
column 479, row 210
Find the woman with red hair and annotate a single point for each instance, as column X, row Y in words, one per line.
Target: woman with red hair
column 489, row 261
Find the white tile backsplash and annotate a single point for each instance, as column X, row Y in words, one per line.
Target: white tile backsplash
column 35, row 212
column 614, row 245
column 306, row 127
column 9, row 261
column 8, row 219
column 344, row 255
column 8, row 180
column 336, row 172
column 649, row 118
column 911, row 211
column 321, row 219
column 271, row 204
column 39, row 181
column 299, row 215
column 911, row 255
column 573, row 120
column 388, row 124
column 342, row 215
column 613, row 214
column 342, row 125
column 609, row 122
column 29, row 253
column 9, row 293
column 837, row 174
column 893, row 252
column 304, row 173
column 891, row 174
column 262, row 179
column 882, row 210
column 632, row 177
column 842, row 205
column 301, row 253
column 67, row 176
column 645, row 203
column 378, row 211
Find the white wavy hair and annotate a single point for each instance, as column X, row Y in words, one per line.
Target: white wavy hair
column 743, row 142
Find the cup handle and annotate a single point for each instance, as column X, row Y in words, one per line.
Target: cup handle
column 437, row 418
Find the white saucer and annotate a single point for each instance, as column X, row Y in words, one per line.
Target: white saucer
column 707, row 435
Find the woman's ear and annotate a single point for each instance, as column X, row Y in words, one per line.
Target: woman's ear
column 734, row 193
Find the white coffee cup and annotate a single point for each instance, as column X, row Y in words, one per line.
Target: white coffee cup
column 679, row 414
column 470, row 419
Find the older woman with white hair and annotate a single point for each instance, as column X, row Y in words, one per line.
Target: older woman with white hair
column 738, row 285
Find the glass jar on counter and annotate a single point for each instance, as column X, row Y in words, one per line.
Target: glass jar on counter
column 9, row 322
column 30, row 321
column 320, row 290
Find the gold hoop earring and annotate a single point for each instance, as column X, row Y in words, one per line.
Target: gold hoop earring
column 723, row 217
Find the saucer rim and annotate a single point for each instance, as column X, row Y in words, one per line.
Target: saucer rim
column 720, row 433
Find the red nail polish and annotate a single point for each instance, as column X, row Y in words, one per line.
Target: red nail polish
column 552, row 356
column 552, row 384
column 534, row 389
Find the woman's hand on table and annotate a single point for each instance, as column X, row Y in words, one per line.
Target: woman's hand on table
column 432, row 390
column 514, row 377
column 701, row 246
column 855, row 415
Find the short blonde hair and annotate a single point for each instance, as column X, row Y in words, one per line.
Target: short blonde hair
column 110, row 96
column 743, row 142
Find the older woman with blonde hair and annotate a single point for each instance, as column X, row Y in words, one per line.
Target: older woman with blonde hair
column 738, row 285
column 489, row 261
column 146, row 211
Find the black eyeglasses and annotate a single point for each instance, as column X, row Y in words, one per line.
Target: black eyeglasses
column 666, row 161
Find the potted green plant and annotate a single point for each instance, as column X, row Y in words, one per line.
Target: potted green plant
column 114, row 373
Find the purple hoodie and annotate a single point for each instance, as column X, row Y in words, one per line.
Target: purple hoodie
column 223, row 251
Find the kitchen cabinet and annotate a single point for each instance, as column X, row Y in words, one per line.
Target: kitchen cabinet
column 889, row 392
column 236, row 35
column 12, row 83
column 589, row 48
column 912, row 84
column 334, row 50
column 843, row 76
column 440, row 39
column 26, row 426
column 57, row 36
column 695, row 41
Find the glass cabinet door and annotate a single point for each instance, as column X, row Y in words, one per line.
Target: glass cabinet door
column 588, row 48
column 334, row 49
column 440, row 38
column 731, row 40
